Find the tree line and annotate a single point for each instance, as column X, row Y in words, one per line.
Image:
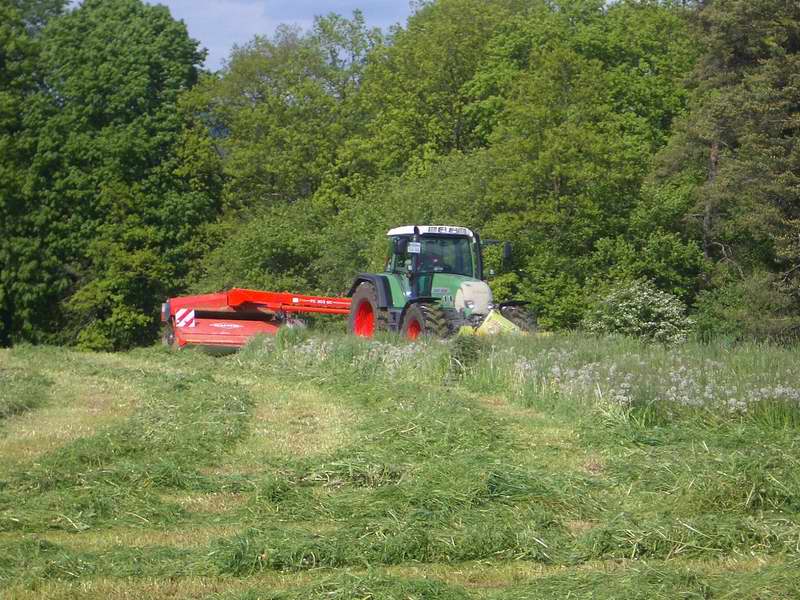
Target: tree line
column 609, row 142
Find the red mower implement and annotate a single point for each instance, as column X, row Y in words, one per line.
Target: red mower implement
column 230, row 319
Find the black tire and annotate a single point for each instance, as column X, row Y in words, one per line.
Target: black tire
column 425, row 320
column 168, row 336
column 366, row 296
column 522, row 317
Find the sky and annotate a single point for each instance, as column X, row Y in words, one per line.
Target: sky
column 219, row 24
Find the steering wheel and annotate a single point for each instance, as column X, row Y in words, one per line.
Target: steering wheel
column 435, row 264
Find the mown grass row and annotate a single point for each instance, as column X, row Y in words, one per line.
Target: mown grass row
column 113, row 477
column 738, row 496
column 642, row 582
column 496, row 451
column 21, row 391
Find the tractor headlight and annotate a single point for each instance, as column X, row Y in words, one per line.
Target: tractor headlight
column 474, row 296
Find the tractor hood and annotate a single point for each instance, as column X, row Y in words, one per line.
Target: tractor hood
column 462, row 293
column 474, row 297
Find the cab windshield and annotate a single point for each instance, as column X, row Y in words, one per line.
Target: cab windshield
column 435, row 254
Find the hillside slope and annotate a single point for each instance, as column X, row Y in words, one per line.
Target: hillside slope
column 329, row 467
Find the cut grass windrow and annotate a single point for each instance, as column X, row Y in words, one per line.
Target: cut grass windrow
column 21, row 391
column 352, row 463
column 113, row 476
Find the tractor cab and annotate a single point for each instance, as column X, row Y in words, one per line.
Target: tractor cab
column 432, row 249
column 440, row 264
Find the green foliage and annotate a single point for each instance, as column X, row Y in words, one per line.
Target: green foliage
column 584, row 109
column 108, row 217
column 735, row 151
column 672, row 264
column 311, row 246
column 23, row 290
column 282, row 107
column 415, row 87
column 639, row 309
column 549, row 93
column 609, row 141
column 276, row 249
column 756, row 307
column 36, row 13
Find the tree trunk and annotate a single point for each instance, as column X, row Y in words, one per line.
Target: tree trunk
column 713, row 168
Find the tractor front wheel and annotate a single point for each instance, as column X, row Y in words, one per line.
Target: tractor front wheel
column 522, row 317
column 365, row 316
column 424, row 320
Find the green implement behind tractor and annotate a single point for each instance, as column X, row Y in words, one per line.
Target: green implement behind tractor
column 433, row 286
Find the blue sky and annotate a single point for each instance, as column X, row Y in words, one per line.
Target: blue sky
column 219, row 24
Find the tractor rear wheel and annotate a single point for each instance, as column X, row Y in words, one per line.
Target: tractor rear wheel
column 366, row 317
column 426, row 320
column 522, row 317
column 168, row 336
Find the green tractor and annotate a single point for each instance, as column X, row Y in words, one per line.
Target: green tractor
column 433, row 286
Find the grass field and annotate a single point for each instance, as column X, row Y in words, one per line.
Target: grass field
column 321, row 466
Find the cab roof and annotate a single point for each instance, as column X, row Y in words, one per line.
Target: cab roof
column 431, row 230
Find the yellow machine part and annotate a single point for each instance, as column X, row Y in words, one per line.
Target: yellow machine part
column 493, row 324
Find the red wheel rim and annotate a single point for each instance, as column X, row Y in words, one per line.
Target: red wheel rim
column 413, row 330
column 364, row 320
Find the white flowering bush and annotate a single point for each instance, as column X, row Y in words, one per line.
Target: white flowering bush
column 639, row 309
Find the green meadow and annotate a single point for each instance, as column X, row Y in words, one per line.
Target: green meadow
column 322, row 466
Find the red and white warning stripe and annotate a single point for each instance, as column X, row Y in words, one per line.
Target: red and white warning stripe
column 184, row 317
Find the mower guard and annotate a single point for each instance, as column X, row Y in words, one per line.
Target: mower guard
column 493, row 324
column 230, row 319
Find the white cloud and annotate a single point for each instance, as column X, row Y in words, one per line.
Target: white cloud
column 221, row 24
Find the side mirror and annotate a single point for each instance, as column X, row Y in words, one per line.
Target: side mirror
column 400, row 245
column 506, row 251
